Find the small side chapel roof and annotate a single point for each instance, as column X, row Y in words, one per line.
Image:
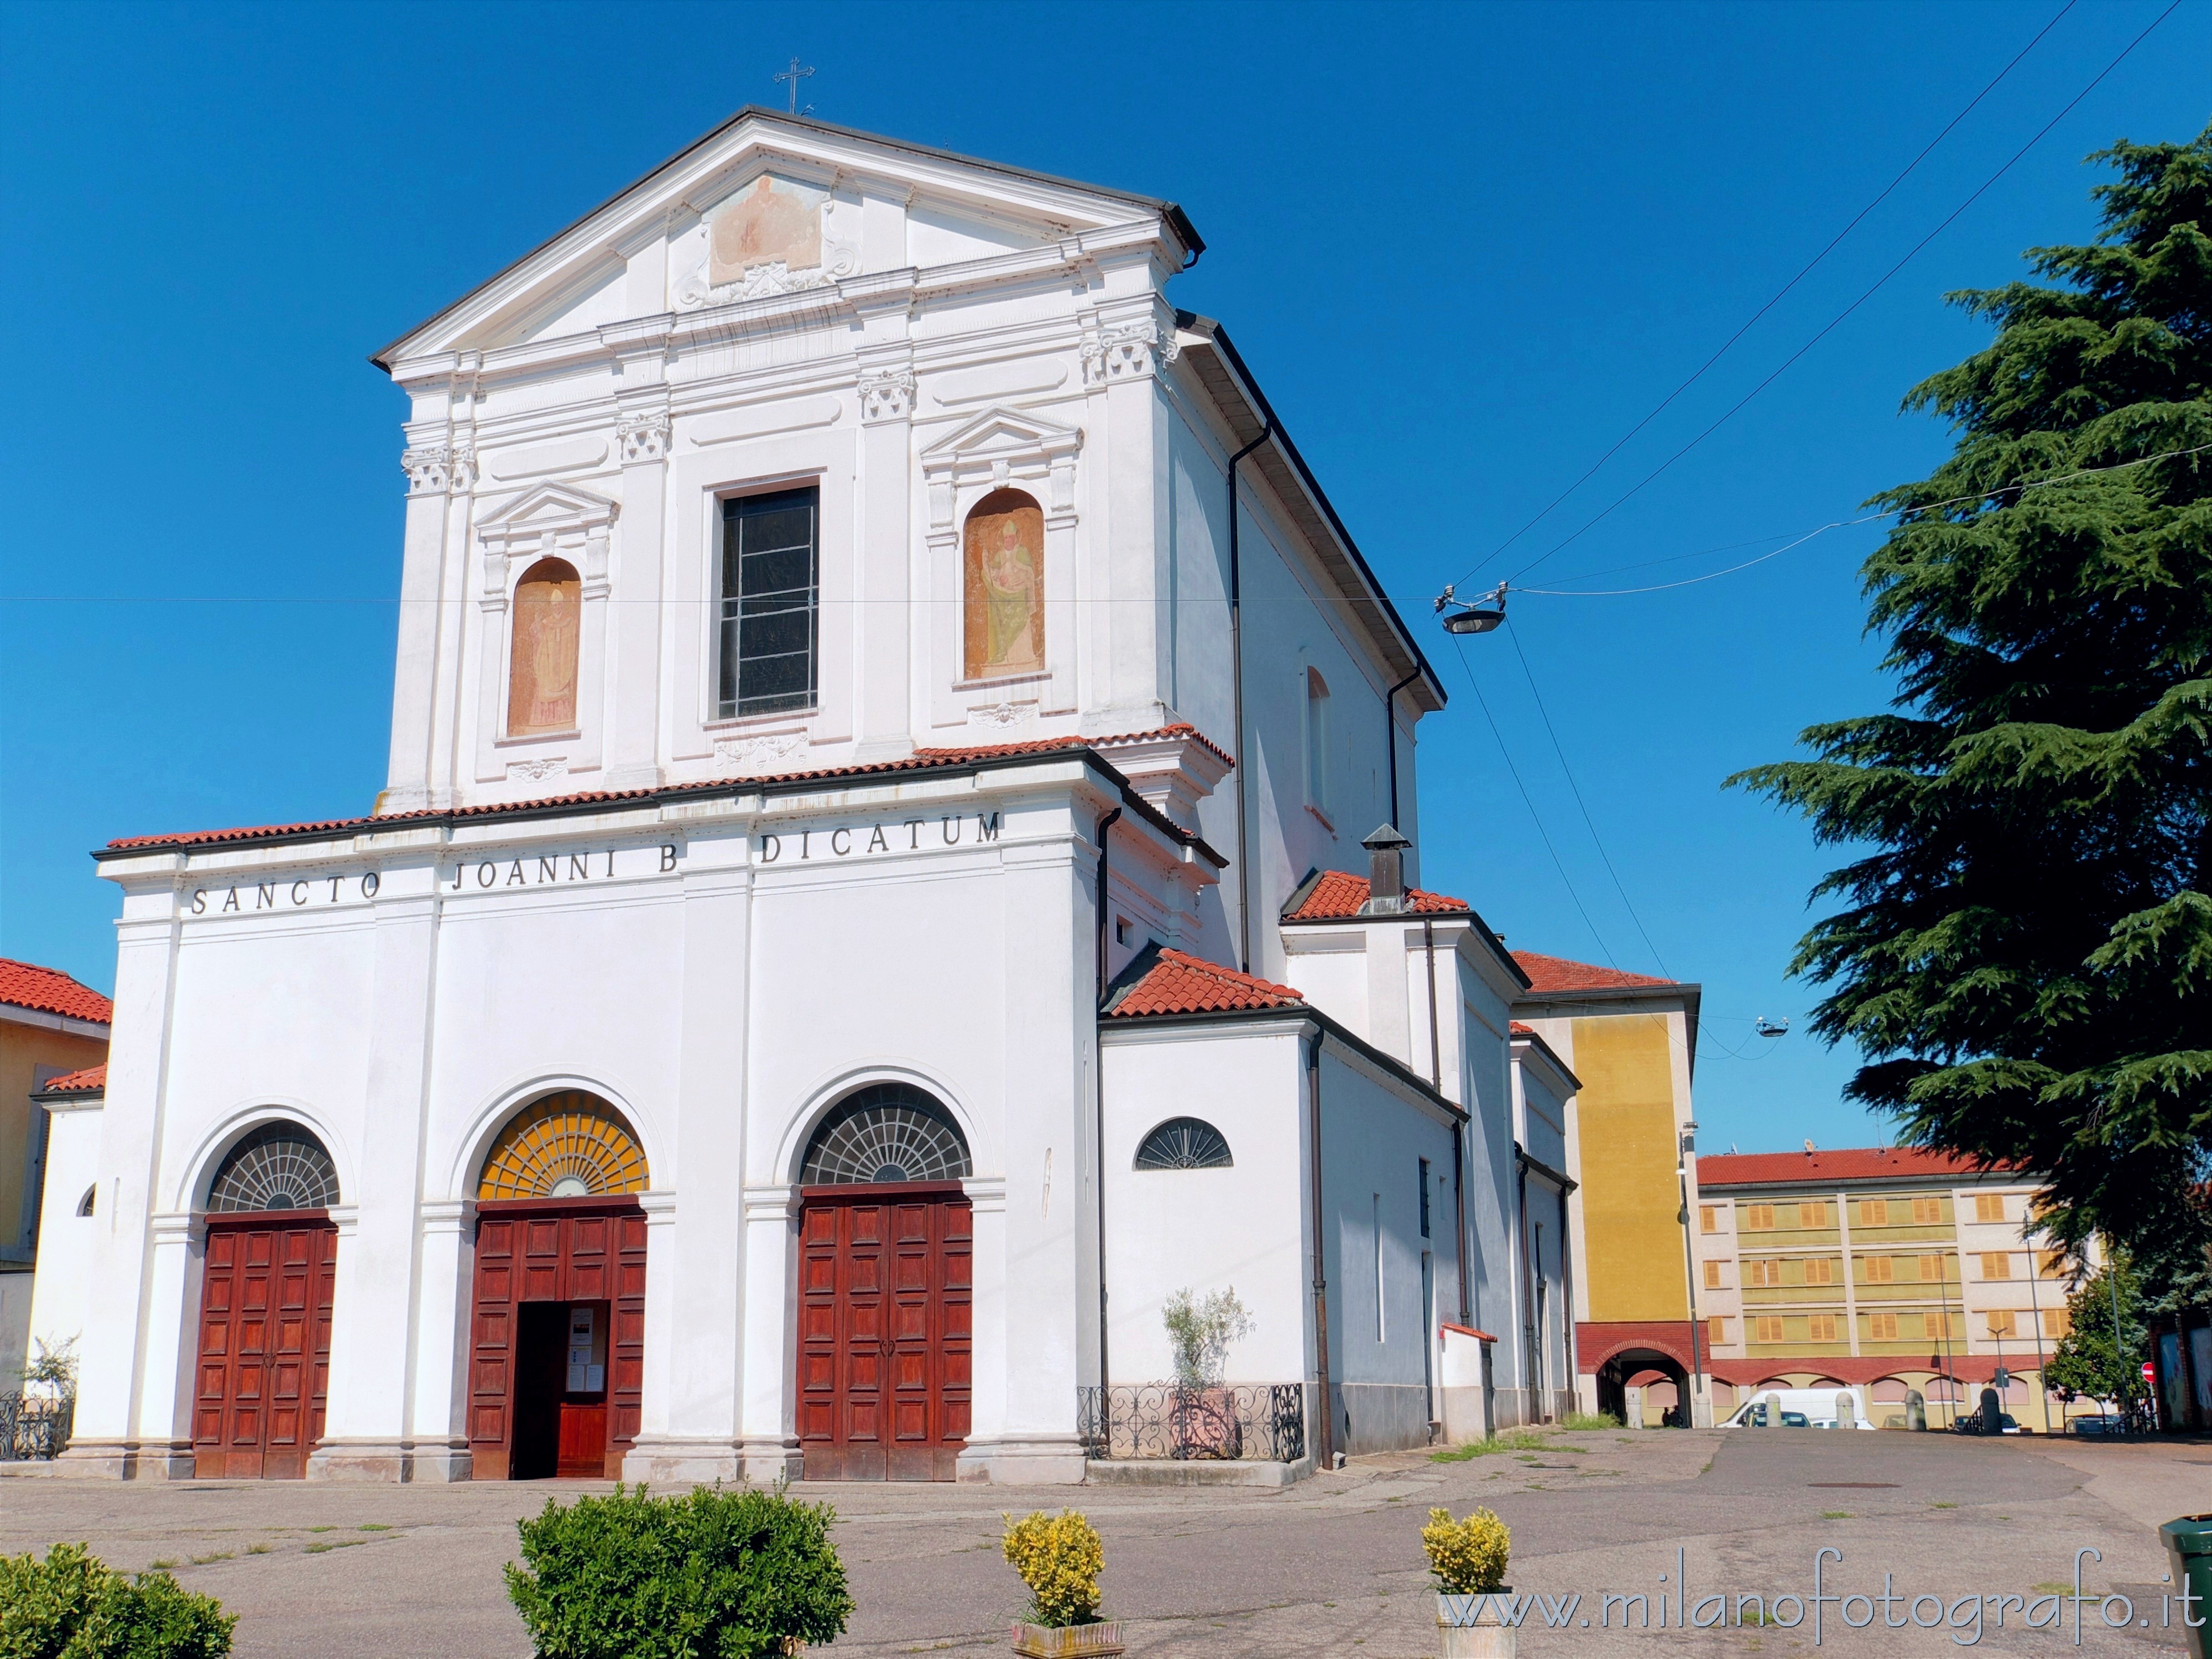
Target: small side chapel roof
column 1336, row 896
column 1161, row 980
column 1560, row 974
column 1169, row 211
column 92, row 1080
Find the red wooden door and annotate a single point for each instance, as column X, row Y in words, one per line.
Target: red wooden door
column 267, row 1286
column 578, row 1249
column 884, row 1332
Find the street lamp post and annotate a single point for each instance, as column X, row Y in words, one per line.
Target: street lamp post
column 1686, row 1147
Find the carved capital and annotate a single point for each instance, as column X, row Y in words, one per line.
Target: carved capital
column 644, row 437
column 887, row 395
column 1127, row 351
column 461, row 468
column 428, row 470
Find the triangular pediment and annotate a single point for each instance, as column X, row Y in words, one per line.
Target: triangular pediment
column 1002, row 432
column 770, row 203
column 547, row 506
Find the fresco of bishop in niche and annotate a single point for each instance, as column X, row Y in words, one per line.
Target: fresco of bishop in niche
column 1004, row 561
column 774, row 222
column 542, row 672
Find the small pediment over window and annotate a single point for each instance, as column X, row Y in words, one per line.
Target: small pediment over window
column 550, row 520
column 998, row 448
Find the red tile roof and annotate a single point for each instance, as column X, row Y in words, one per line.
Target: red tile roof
column 49, row 991
column 920, row 760
column 1846, row 1163
column 91, row 1080
column 1558, row 974
column 1337, row 896
column 1519, row 1029
column 1179, row 984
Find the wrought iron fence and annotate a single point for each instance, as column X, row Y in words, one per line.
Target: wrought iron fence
column 35, row 1428
column 1259, row 1422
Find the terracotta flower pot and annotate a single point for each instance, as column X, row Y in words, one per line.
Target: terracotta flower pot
column 1205, row 1424
column 1099, row 1640
column 1469, row 1628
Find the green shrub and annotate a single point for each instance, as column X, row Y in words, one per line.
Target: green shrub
column 712, row 1575
column 73, row 1606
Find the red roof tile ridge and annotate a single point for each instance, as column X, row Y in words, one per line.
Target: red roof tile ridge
column 919, row 759
column 1838, row 1164
column 1179, row 729
column 1549, row 973
column 49, row 991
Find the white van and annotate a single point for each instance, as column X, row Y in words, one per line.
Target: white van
column 1804, row 1408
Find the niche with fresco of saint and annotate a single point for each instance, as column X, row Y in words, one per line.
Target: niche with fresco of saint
column 1003, row 566
column 542, row 670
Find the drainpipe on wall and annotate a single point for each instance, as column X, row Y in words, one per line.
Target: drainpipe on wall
column 1104, row 824
column 1390, row 733
column 1460, row 1131
column 1325, row 1411
column 1236, row 680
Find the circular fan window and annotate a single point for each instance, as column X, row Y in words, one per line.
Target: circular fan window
column 889, row 1132
column 1184, row 1143
column 572, row 1145
column 280, row 1166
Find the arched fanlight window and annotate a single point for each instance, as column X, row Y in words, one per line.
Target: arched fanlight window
column 570, row 1145
column 1184, row 1143
column 84, row 1204
column 280, row 1166
column 887, row 1131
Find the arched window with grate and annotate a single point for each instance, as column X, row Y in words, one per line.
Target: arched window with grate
column 280, row 1166
column 888, row 1132
column 84, row 1204
column 1184, row 1143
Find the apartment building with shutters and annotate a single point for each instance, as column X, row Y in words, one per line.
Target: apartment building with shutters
column 1888, row 1268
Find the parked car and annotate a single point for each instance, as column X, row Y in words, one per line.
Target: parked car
column 2092, row 1427
column 1972, row 1424
column 1802, row 1408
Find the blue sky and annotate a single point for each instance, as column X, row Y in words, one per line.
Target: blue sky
column 1466, row 248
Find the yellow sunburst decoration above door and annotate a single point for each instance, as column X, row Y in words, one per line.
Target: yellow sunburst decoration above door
column 572, row 1145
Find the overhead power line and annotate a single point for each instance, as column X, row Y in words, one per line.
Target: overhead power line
column 1879, row 283
column 1780, row 294
column 2020, row 488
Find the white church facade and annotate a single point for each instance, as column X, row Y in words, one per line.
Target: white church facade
column 873, row 894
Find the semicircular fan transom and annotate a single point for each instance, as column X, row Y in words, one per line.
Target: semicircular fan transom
column 888, row 1132
column 280, row 1166
column 1184, row 1143
column 572, row 1145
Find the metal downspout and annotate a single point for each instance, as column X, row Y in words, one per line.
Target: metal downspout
column 1237, row 679
column 1325, row 1410
column 1390, row 735
column 1104, row 825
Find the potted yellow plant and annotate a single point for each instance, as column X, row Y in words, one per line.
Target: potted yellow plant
column 1059, row 1557
column 1468, row 1559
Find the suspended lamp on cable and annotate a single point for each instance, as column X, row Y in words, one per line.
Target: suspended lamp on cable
column 1484, row 614
column 1770, row 1028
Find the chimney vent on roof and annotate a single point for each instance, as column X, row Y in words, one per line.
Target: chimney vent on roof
column 1386, row 871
